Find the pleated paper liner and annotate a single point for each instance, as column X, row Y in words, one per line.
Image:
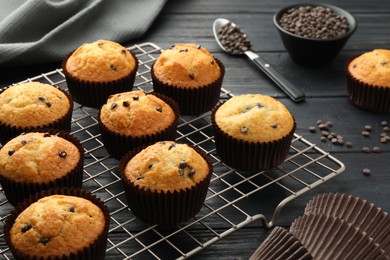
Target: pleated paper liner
column 327, row 237
column 281, row 245
column 368, row 97
column 7, row 132
column 18, row 191
column 250, row 156
column 94, row 94
column 358, row 212
column 166, row 208
column 117, row 144
column 94, row 251
column 192, row 101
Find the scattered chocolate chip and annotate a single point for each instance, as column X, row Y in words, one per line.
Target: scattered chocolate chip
column 113, row 105
column 44, row 240
column 71, row 209
column 319, row 122
column 150, row 166
column 124, row 51
column 181, row 172
column 191, row 74
column 384, row 123
column 11, row 152
column 113, row 67
column 135, row 97
column 366, row 149
column 62, row 154
column 348, row 144
column 368, row 128
column 23, row 142
column 365, row 133
column 100, row 44
column 48, row 103
column 191, row 173
column 26, row 228
column 183, row 165
column 244, row 129
column 46, row 135
column 212, row 62
column 324, row 133
column 183, row 50
column 171, row 146
column 312, row 129
column 334, row 140
column 376, row 149
column 159, row 109
column 41, row 98
column 198, row 46
column 323, row 127
column 366, row 171
column 172, row 47
column 126, row 104
column 329, row 124
column 259, row 105
column 386, row 129
column 323, row 139
column 274, row 126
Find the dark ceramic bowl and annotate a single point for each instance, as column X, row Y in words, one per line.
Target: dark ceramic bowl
column 310, row 51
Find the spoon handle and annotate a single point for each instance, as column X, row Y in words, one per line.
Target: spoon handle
column 293, row 92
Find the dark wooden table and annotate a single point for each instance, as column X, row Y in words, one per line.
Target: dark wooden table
column 325, row 87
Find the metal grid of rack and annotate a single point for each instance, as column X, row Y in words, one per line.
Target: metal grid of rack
column 232, row 199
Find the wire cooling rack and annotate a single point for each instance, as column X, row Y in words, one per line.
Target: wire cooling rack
column 234, row 200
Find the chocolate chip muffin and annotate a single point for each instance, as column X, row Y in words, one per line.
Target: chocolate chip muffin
column 33, row 105
column 36, row 161
column 368, row 81
column 190, row 75
column 166, row 182
column 252, row 132
column 99, row 69
column 133, row 118
column 59, row 224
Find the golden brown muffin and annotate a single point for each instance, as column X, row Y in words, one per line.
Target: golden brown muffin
column 135, row 113
column 130, row 119
column 96, row 70
column 36, row 161
column 252, row 131
column 33, row 105
column 100, row 61
column 57, row 225
column 37, row 158
column 190, row 75
column 167, row 166
column 166, row 182
column 368, row 80
column 186, row 65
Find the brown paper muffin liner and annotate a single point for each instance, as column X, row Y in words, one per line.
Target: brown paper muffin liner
column 7, row 131
column 280, row 244
column 250, row 156
column 358, row 212
column 117, row 144
column 158, row 207
column 95, row 94
column 18, row 191
column 192, row 101
column 367, row 96
column 327, row 237
column 96, row 250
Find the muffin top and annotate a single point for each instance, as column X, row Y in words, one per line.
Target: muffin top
column 187, row 66
column 37, row 158
column 254, row 118
column 100, row 61
column 135, row 114
column 32, row 104
column 372, row 68
column 167, row 166
column 57, row 225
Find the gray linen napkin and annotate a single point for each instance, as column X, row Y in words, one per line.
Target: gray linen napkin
column 41, row 31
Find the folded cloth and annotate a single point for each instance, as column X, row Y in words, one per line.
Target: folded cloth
column 36, row 32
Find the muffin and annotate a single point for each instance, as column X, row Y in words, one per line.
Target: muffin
column 368, row 81
column 130, row 119
column 37, row 161
column 252, row 132
column 33, row 105
column 190, row 75
column 166, row 182
column 58, row 224
column 97, row 70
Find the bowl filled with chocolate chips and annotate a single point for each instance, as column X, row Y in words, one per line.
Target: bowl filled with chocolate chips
column 313, row 34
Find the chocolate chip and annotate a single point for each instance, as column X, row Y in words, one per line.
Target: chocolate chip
column 135, row 97
column 62, row 154
column 11, row 152
column 124, row 51
column 113, row 67
column 150, row 166
column 366, row 171
column 100, row 44
column 159, row 109
column 383, row 123
column 386, row 129
column 348, row 144
column 139, row 177
column 191, row 173
column 26, row 228
column 244, row 129
column 46, row 135
column 183, row 50
column 329, row 123
column 41, row 98
column 365, row 133
column 23, row 142
column 172, row 47
column 312, row 129
column 181, row 172
column 183, row 165
column 323, row 139
column 171, row 146
column 366, row 149
column 324, row 133
column 233, row 39
column 44, row 240
column 383, row 140
column 368, row 128
column 126, row 104
column 274, row 126
column 191, row 74
column 48, row 103
column 212, row 62
column 71, row 209
column 319, row 122
column 113, row 106
column 376, row 149
column 259, row 105
column 198, row 46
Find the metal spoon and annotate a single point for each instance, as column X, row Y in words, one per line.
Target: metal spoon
column 293, row 92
